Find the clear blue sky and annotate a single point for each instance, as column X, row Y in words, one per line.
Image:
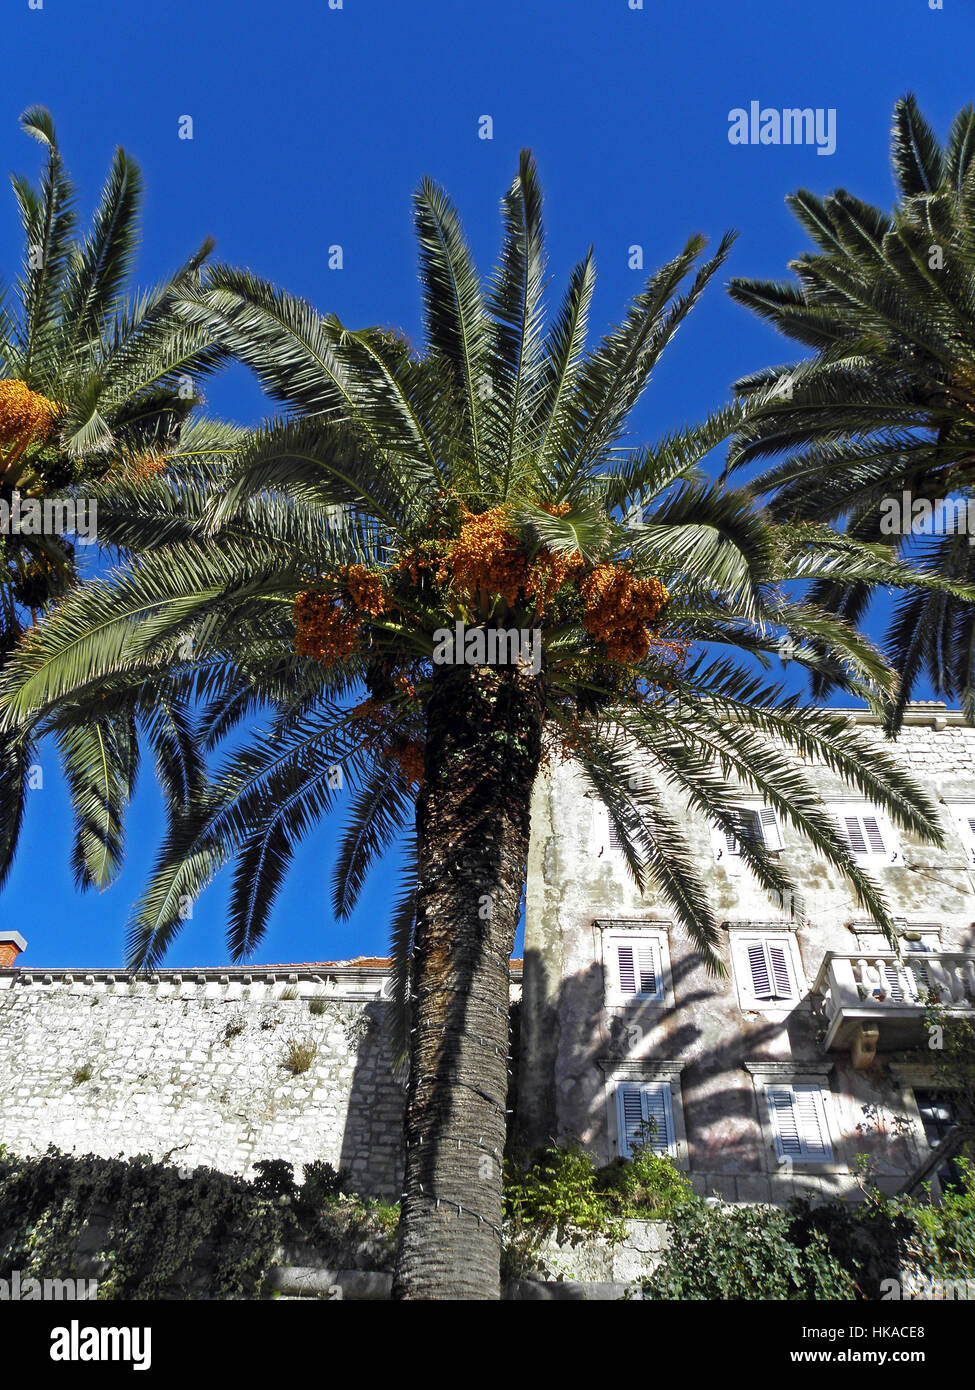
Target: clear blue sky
column 312, row 126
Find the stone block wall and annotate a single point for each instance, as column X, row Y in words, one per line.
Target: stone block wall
column 196, row 1066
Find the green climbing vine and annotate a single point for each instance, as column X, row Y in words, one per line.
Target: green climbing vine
column 150, row 1230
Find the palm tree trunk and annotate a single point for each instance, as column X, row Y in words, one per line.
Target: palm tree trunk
column 472, row 815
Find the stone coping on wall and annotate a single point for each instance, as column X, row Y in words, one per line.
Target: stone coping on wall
column 336, row 982
column 341, row 981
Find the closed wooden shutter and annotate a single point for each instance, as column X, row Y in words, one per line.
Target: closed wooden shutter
column 812, row 1122
column 798, row 1117
column 629, row 1102
column 639, row 971
column 852, row 832
column 755, row 824
column 656, row 1114
column 771, row 971
column 785, row 1124
column 862, row 833
column 874, row 836
column 645, row 1112
column 627, row 969
column 761, row 977
column 965, row 820
column 781, row 974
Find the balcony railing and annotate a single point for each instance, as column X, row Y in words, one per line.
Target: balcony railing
column 890, row 993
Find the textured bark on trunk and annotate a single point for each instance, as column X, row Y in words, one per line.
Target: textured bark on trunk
column 472, row 816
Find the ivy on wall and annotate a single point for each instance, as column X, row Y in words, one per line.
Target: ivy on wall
column 150, row 1230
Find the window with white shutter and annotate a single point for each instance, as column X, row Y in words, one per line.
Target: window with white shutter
column 768, row 825
column 636, row 964
column 867, row 832
column 755, row 824
column 644, row 1116
column 767, row 970
column 799, row 1126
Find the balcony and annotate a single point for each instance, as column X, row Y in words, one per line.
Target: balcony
column 875, row 1001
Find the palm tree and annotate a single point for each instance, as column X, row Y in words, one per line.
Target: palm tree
column 885, row 406
column 93, row 385
column 478, row 488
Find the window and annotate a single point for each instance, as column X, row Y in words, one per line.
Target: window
column 644, row 1114
column 755, row 824
column 867, row 832
column 636, row 967
column 939, row 1117
column 638, row 972
column 799, row 1128
column 613, row 837
column 767, row 970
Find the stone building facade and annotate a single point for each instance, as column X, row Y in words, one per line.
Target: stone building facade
column 769, row 1082
column 762, row 1084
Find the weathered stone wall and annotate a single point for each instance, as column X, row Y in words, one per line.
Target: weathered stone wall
column 574, row 1041
column 195, row 1066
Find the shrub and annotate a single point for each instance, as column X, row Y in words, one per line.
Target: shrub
column 275, row 1178
column 322, row 1183
column 648, row 1186
column 942, row 1241
column 236, row 1024
column 551, row 1192
column 166, row 1233
column 299, row 1056
column 736, row 1253
column 162, row 1233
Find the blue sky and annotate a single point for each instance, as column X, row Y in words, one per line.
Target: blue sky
column 312, row 126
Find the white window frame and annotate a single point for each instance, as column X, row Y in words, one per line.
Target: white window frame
column 765, row 828
column 791, row 1105
column 873, row 825
column 654, row 1095
column 768, row 1075
column 657, row 1076
column 742, row 944
column 653, row 939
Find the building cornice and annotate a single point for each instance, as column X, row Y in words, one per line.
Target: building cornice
column 215, row 974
